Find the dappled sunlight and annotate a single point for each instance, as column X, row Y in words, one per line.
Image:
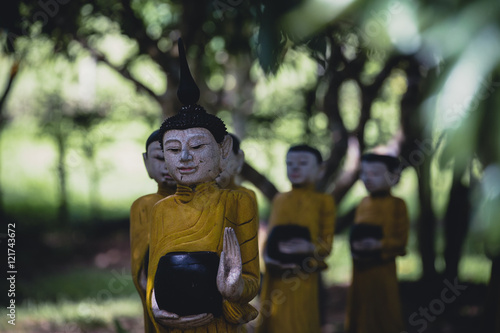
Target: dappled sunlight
column 403, row 28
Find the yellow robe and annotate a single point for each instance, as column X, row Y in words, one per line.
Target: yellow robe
column 140, row 214
column 233, row 186
column 373, row 304
column 194, row 220
column 289, row 300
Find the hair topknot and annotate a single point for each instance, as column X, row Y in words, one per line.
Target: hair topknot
column 192, row 116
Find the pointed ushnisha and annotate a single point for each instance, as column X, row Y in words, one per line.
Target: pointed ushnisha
column 191, row 114
column 188, row 92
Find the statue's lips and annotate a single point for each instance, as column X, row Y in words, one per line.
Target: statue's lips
column 186, row 170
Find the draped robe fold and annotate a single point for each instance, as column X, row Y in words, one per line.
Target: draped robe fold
column 194, row 220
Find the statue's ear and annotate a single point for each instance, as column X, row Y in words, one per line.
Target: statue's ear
column 241, row 160
column 146, row 164
column 226, row 146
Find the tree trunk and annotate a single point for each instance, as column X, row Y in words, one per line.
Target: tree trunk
column 426, row 222
column 3, row 120
column 416, row 153
column 456, row 225
column 94, row 193
column 491, row 315
column 63, row 211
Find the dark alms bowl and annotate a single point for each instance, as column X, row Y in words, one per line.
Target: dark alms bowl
column 283, row 233
column 361, row 231
column 186, row 283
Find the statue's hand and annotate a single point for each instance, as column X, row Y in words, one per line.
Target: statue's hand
column 278, row 264
column 367, row 244
column 296, row 246
column 169, row 319
column 229, row 279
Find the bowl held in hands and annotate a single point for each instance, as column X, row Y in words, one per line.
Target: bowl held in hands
column 186, row 283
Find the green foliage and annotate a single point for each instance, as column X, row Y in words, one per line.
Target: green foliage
column 76, row 284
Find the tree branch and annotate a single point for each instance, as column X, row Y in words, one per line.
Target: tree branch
column 260, row 181
column 368, row 95
column 122, row 71
column 349, row 175
column 331, row 109
column 13, row 73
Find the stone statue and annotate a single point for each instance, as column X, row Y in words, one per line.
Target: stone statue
column 301, row 228
column 378, row 236
column 203, row 265
column 140, row 215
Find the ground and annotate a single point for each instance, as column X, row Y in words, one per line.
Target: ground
column 422, row 303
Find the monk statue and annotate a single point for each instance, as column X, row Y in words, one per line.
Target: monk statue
column 204, row 261
column 140, row 214
column 301, row 232
column 379, row 234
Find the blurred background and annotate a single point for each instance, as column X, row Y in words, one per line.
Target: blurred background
column 83, row 84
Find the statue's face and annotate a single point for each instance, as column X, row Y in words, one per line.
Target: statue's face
column 302, row 167
column 192, row 155
column 376, row 176
column 156, row 167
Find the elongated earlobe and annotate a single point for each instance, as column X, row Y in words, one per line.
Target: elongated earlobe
column 241, row 161
column 226, row 146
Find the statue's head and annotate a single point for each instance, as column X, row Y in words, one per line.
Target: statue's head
column 194, row 142
column 155, row 162
column 379, row 172
column 304, row 165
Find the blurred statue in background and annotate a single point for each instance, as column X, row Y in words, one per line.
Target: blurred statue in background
column 301, row 228
column 140, row 214
column 378, row 236
column 203, row 265
column 232, row 168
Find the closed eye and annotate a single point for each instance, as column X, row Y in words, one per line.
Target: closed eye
column 198, row 146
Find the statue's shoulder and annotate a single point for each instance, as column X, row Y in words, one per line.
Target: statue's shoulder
column 145, row 200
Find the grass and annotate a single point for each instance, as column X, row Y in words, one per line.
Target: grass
column 80, row 283
column 80, row 299
column 72, row 316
